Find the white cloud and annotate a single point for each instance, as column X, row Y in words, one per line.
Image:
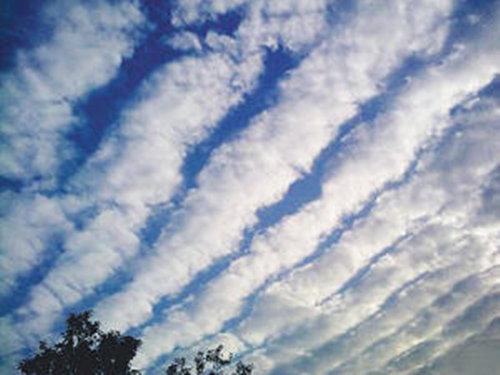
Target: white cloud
column 30, row 224
column 195, row 11
column 184, row 41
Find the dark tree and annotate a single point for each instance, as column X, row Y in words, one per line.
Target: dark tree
column 211, row 362
column 84, row 349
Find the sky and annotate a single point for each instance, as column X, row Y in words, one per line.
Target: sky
column 314, row 184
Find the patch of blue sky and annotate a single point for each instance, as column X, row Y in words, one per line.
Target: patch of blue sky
column 9, row 184
column 225, row 23
column 492, row 90
column 337, row 12
column 20, row 28
column 466, row 16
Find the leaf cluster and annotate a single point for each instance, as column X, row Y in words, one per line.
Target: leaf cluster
column 84, row 349
column 211, row 362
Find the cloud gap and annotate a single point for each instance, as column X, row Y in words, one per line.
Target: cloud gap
column 225, row 23
column 465, row 21
column 11, row 184
column 20, row 28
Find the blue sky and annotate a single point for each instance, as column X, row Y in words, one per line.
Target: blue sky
column 312, row 183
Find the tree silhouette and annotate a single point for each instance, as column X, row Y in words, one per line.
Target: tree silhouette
column 211, row 362
column 84, row 350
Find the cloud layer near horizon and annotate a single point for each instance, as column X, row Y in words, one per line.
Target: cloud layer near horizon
column 304, row 181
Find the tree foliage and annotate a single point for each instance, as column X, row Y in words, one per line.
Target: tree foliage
column 84, row 349
column 211, row 362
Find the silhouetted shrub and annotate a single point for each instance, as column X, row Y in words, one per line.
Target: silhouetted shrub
column 84, row 350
